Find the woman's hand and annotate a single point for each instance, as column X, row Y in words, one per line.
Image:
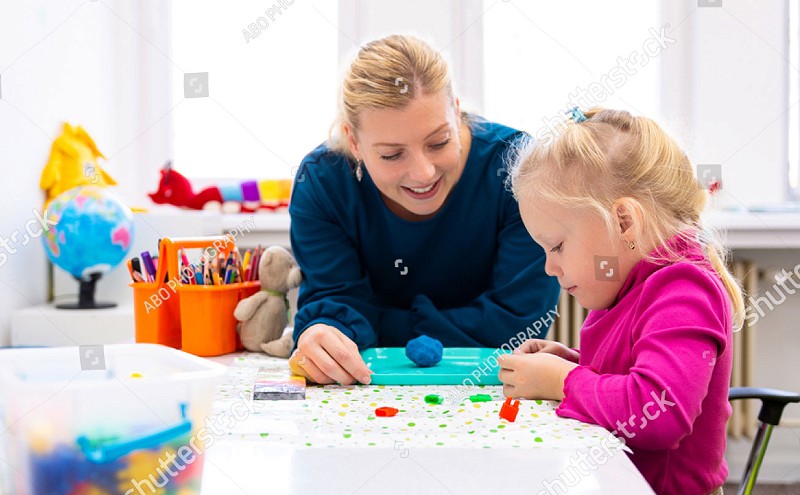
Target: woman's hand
column 325, row 355
column 549, row 347
column 534, row 376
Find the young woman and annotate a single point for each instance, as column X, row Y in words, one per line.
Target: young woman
column 402, row 225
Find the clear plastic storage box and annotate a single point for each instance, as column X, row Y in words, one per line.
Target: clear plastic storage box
column 126, row 419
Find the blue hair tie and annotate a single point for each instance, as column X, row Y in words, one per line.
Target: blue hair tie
column 577, row 115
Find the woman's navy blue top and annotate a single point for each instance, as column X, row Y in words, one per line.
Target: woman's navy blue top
column 470, row 276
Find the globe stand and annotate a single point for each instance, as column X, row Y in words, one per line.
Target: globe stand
column 86, row 297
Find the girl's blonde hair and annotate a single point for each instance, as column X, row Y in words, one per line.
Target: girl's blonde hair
column 614, row 155
column 387, row 73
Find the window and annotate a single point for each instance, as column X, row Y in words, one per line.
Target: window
column 540, row 57
column 273, row 78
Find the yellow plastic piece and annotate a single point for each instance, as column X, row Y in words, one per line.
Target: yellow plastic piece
column 275, row 191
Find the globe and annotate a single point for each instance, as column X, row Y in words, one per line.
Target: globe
column 89, row 232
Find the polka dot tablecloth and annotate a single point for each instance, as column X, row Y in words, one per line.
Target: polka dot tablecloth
column 344, row 416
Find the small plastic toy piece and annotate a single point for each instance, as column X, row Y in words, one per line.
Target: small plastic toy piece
column 434, row 399
column 509, row 410
column 480, row 398
column 385, row 412
column 424, row 351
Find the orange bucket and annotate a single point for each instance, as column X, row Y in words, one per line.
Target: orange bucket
column 157, row 318
column 209, row 328
column 195, row 318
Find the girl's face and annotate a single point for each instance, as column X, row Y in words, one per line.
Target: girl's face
column 414, row 154
column 590, row 264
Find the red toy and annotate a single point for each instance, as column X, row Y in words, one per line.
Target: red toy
column 385, row 412
column 247, row 196
column 509, row 410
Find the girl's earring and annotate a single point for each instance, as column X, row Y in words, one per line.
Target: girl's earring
column 632, row 245
column 359, row 172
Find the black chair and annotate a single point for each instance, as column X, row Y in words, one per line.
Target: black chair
column 772, row 404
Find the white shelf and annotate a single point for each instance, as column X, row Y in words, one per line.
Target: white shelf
column 263, row 221
column 47, row 326
column 266, row 229
column 746, row 229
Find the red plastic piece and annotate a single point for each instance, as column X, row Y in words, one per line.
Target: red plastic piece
column 385, row 412
column 509, row 410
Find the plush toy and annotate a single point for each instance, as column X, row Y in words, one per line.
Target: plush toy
column 247, row 196
column 72, row 163
column 264, row 315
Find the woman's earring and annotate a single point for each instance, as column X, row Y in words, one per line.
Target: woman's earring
column 632, row 245
column 359, row 172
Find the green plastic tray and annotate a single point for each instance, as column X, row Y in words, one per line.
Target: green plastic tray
column 392, row 367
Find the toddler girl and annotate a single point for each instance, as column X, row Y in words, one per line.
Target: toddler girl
column 616, row 206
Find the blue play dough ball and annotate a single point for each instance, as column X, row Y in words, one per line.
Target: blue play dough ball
column 424, row 351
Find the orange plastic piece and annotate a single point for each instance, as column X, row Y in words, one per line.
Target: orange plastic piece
column 385, row 412
column 509, row 410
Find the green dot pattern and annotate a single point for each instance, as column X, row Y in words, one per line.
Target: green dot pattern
column 429, row 416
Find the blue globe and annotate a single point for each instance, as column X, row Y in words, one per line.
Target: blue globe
column 91, row 231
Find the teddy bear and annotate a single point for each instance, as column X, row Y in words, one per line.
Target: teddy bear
column 265, row 314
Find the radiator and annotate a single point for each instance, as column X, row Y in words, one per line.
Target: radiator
column 743, row 416
column 566, row 329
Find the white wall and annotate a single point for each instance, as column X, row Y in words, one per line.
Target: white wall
column 451, row 26
column 724, row 93
column 81, row 62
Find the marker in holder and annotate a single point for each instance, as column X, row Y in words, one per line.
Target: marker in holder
column 195, row 318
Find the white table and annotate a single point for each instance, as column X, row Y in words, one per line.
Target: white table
column 333, row 443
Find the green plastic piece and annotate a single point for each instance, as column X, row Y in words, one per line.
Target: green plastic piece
column 480, row 398
column 459, row 366
column 434, row 399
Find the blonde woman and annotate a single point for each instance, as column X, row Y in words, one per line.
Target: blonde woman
column 656, row 349
column 402, row 225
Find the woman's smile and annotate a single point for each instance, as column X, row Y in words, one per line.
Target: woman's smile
column 425, row 192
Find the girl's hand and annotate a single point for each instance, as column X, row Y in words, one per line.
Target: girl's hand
column 534, row 376
column 549, row 347
column 325, row 355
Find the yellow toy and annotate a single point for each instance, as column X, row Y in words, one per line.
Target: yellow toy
column 72, row 163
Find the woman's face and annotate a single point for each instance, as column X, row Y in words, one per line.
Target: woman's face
column 413, row 154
